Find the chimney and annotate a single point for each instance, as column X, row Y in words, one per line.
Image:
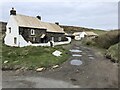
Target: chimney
column 13, row 11
column 57, row 23
column 39, row 17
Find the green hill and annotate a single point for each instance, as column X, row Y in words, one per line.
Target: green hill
column 72, row 29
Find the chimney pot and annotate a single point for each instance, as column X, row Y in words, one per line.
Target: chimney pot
column 57, row 23
column 13, row 11
column 39, row 17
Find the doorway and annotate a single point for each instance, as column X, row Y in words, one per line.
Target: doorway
column 15, row 40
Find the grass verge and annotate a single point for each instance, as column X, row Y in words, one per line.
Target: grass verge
column 31, row 57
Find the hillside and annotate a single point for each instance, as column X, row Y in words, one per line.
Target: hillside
column 3, row 27
column 72, row 29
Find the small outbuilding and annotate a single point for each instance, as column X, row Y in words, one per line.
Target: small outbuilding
column 91, row 34
column 79, row 35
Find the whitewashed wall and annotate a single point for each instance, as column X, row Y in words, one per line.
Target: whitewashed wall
column 82, row 35
column 64, row 42
column 9, row 38
column 79, row 37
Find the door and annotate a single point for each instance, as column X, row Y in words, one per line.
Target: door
column 15, row 40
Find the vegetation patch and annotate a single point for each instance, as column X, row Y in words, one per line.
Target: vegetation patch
column 104, row 40
column 31, row 57
column 107, row 39
column 113, row 53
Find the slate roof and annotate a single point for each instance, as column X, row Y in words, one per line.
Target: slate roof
column 77, row 33
column 91, row 34
column 33, row 22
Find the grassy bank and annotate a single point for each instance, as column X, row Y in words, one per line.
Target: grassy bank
column 104, row 40
column 31, row 57
column 113, row 53
column 107, row 41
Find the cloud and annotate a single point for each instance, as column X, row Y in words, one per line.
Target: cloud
column 103, row 15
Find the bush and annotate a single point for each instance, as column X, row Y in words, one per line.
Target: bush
column 88, row 42
column 113, row 53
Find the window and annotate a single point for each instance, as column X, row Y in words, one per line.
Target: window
column 59, row 39
column 9, row 29
column 52, row 38
column 32, row 32
column 33, row 38
column 15, row 40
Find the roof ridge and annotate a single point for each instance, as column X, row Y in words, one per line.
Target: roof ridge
column 25, row 15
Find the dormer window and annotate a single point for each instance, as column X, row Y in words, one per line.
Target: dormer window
column 32, row 32
column 9, row 29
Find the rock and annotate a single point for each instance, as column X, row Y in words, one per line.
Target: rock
column 57, row 53
column 5, row 62
column 39, row 69
column 56, row 66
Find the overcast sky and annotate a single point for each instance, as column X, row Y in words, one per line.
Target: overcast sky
column 97, row 14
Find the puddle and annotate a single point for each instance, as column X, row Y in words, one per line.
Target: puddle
column 91, row 58
column 76, row 62
column 76, row 55
column 75, row 50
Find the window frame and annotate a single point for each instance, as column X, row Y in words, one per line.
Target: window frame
column 32, row 32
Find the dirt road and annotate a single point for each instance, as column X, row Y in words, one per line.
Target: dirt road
column 95, row 72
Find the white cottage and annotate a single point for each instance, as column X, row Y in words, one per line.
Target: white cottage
column 79, row 35
column 22, row 30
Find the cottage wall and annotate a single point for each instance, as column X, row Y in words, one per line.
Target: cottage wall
column 11, row 32
column 26, row 33
column 56, row 36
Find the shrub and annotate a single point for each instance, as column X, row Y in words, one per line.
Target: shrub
column 113, row 53
column 88, row 42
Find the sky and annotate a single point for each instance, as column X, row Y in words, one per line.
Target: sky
column 97, row 14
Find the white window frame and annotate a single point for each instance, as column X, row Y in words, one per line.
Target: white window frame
column 32, row 32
